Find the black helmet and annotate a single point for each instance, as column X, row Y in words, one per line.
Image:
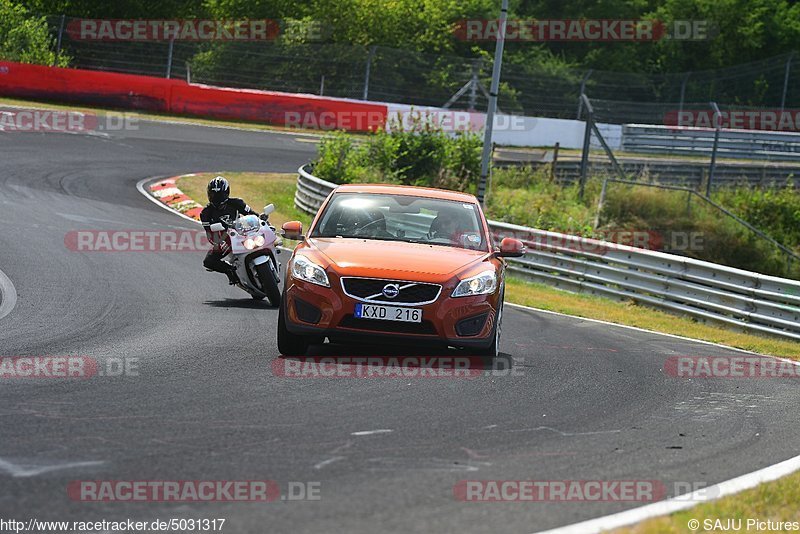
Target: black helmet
column 219, row 191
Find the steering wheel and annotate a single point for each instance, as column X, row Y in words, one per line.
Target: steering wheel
column 359, row 230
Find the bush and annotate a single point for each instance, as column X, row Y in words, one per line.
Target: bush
column 723, row 240
column 425, row 157
column 25, row 38
column 340, row 160
column 529, row 198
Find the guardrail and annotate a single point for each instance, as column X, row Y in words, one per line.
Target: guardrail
column 701, row 289
column 749, row 144
column 690, row 174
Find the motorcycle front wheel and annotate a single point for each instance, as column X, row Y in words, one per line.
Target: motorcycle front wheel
column 269, row 286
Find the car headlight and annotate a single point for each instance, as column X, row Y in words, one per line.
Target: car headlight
column 481, row 284
column 305, row 269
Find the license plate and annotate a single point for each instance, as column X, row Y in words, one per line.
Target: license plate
column 388, row 313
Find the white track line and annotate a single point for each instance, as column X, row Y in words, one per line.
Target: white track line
column 638, row 329
column 141, row 187
column 9, row 295
column 682, row 502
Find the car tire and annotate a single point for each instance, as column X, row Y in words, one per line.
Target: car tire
column 290, row 344
column 493, row 350
column 268, row 284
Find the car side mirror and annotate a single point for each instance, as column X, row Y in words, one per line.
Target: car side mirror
column 269, row 208
column 217, row 227
column 510, row 248
column 293, row 230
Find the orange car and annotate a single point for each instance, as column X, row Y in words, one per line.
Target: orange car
column 383, row 263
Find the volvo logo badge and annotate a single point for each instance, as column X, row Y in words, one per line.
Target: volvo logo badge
column 390, row 291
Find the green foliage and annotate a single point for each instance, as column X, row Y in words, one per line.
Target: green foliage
column 749, row 30
column 721, row 238
column 424, row 156
column 530, row 198
column 696, row 229
column 777, row 209
column 25, row 38
column 340, row 160
column 144, row 9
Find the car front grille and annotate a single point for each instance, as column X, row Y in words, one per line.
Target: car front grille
column 371, row 290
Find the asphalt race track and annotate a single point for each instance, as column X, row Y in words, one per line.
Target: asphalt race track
column 586, row 401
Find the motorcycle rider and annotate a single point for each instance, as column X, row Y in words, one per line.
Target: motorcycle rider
column 221, row 208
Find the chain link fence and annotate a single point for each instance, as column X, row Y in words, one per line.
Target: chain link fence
column 385, row 74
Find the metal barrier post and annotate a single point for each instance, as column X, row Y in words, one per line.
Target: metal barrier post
column 583, row 92
column 60, row 36
column 600, row 203
column 366, row 74
column 587, row 136
column 786, row 81
column 493, row 91
column 169, row 57
column 713, row 166
column 683, row 94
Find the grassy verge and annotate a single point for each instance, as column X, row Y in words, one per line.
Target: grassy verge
column 775, row 500
column 257, row 189
column 631, row 314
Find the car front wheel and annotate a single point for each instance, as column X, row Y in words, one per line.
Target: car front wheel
column 493, row 350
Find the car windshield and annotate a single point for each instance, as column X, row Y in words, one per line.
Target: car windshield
column 247, row 224
column 402, row 218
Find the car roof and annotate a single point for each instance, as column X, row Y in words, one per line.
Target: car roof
column 409, row 190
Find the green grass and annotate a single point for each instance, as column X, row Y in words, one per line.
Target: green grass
column 776, row 501
column 257, row 189
column 671, row 219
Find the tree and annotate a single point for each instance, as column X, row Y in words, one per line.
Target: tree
column 25, row 38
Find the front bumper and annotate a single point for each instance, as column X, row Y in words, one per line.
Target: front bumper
column 321, row 311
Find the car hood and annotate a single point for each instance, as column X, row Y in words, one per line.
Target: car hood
column 395, row 259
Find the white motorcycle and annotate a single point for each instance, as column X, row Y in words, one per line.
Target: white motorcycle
column 254, row 254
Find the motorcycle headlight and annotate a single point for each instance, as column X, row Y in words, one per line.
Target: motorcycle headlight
column 305, row 269
column 259, row 240
column 481, row 284
column 249, row 244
